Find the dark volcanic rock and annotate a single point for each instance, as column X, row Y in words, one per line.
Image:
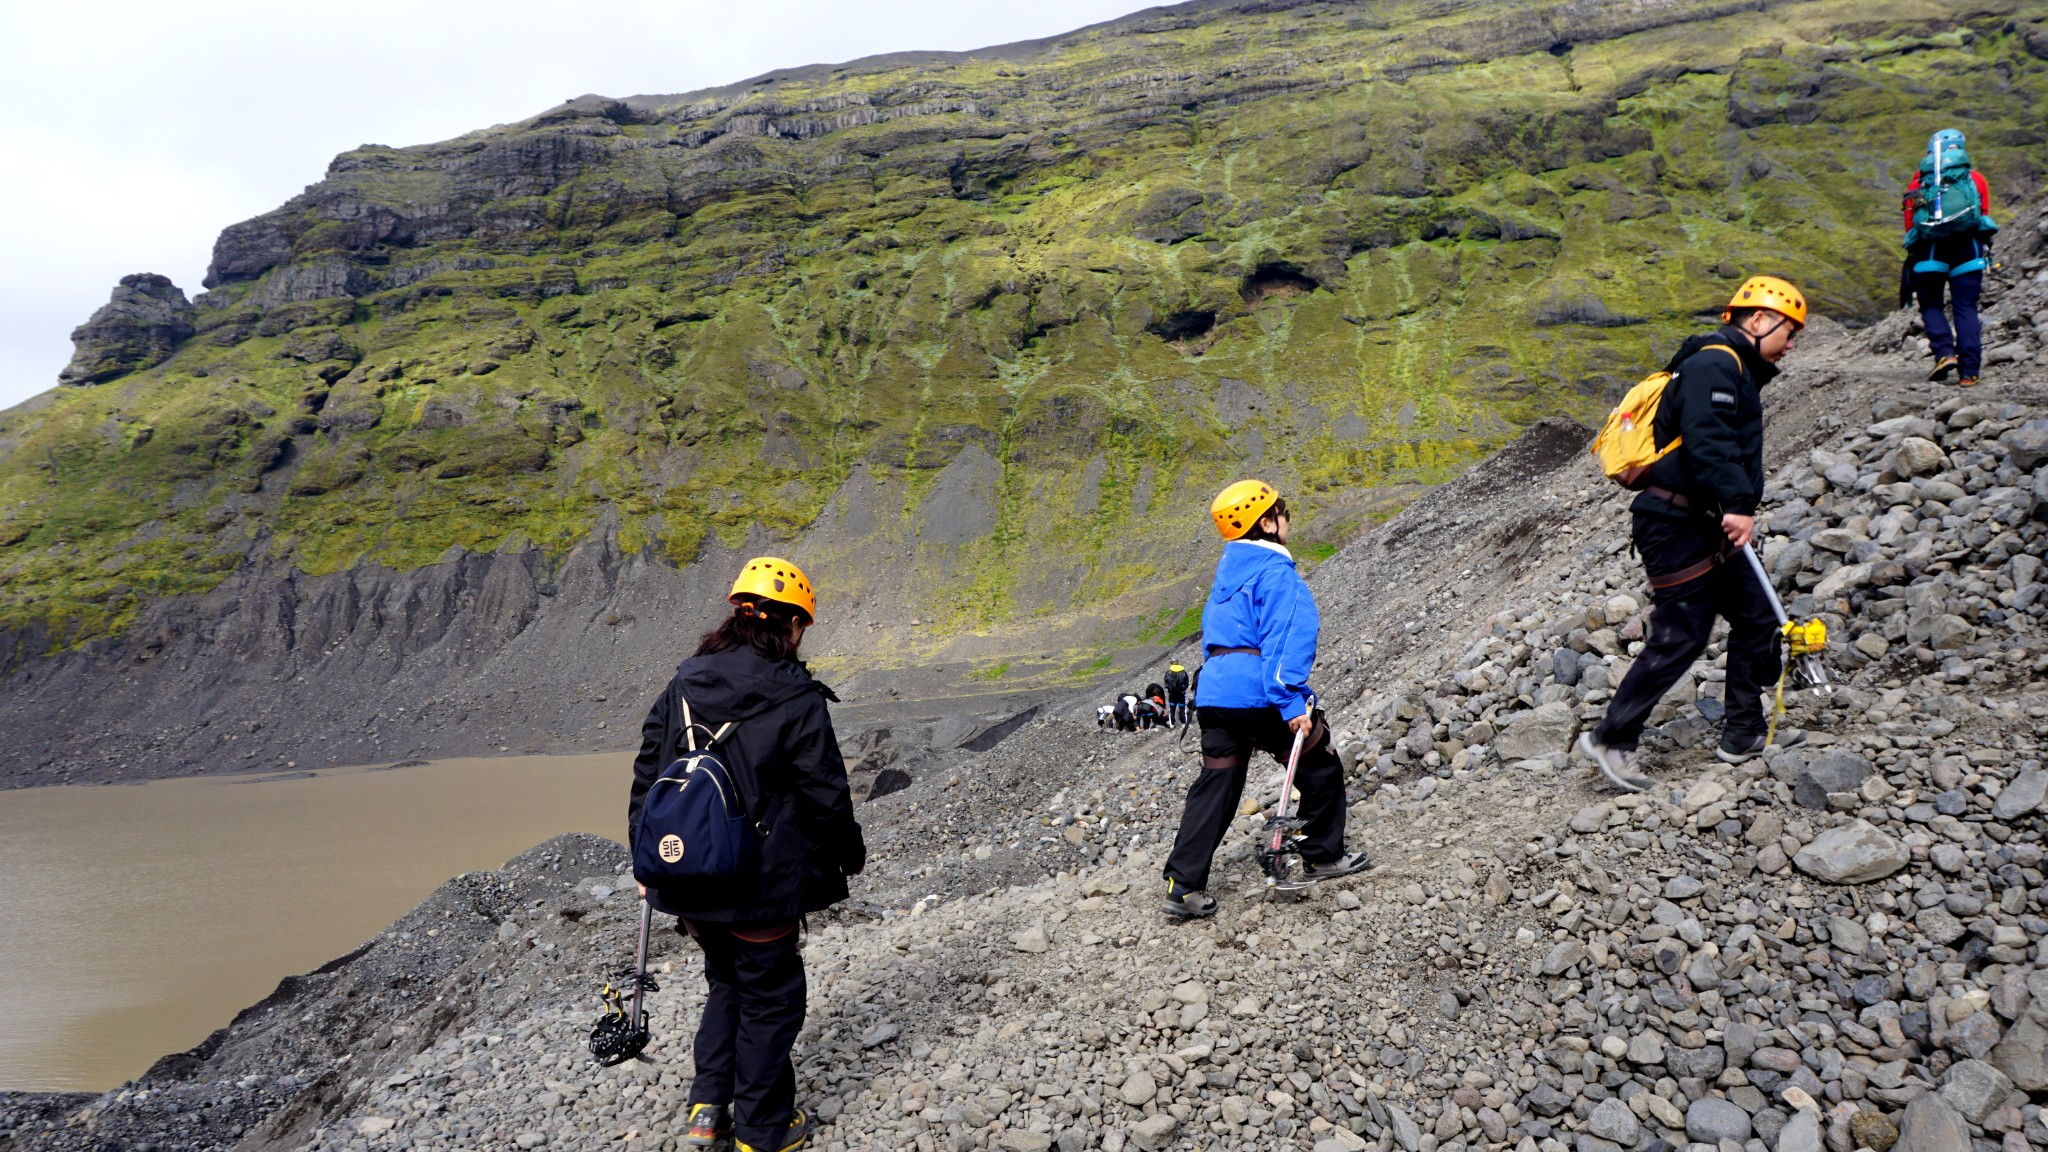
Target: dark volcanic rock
column 140, row 326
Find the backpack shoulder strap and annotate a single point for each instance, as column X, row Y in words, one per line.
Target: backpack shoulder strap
column 690, row 727
column 1741, row 369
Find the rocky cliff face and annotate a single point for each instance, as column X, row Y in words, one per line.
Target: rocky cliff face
column 145, row 321
column 974, row 335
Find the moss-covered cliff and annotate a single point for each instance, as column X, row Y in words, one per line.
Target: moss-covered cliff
column 976, row 335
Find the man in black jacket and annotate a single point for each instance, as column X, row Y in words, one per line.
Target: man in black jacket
column 786, row 762
column 1696, row 508
column 1177, row 695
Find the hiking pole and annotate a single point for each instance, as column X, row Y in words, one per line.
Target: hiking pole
column 640, row 969
column 1280, row 847
column 618, row 1036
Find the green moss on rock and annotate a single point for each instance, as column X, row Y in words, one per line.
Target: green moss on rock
column 1054, row 295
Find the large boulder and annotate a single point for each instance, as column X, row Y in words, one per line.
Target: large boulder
column 1154, row 1132
column 2022, row 1056
column 1710, row 1121
column 139, row 326
column 1975, row 1089
column 1542, row 731
column 1932, row 1125
column 1836, row 770
column 1916, row 456
column 1612, row 1120
column 1801, row 1133
column 2026, row 445
column 2022, row 796
column 1855, row 853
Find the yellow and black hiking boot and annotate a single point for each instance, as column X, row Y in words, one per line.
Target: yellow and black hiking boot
column 799, row 1131
column 709, row 1124
column 1188, row 905
column 1942, row 368
column 1967, row 382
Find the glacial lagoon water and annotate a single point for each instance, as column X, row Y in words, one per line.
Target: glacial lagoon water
column 134, row 920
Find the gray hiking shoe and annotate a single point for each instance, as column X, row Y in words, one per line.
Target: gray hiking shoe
column 1618, row 766
column 1349, row 864
column 1736, row 750
column 1187, row 905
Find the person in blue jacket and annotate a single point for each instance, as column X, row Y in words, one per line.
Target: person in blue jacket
column 1259, row 636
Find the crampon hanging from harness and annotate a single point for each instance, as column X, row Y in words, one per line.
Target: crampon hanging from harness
column 1806, row 641
column 1280, row 843
column 621, row 1032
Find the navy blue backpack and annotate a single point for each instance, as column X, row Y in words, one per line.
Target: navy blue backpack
column 693, row 823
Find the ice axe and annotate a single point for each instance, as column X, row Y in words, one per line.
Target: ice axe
column 621, row 1034
column 1805, row 641
column 1280, row 844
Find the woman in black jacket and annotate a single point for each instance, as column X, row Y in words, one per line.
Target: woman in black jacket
column 792, row 779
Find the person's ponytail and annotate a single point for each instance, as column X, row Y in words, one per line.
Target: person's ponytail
column 766, row 626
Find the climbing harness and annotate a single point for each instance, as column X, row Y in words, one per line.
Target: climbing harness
column 1805, row 642
column 621, row 1033
column 1280, row 844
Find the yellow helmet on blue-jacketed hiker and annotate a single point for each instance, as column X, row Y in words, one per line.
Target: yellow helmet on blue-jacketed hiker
column 1239, row 506
column 773, row 578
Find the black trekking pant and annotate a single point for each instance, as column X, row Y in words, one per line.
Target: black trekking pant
column 1229, row 737
column 1682, row 620
column 752, row 1014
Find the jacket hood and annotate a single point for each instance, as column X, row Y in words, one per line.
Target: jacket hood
column 1242, row 560
column 1760, row 370
column 738, row 683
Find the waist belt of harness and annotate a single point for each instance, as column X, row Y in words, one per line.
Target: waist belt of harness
column 1976, row 263
column 1675, row 499
column 1687, row 574
column 1228, row 651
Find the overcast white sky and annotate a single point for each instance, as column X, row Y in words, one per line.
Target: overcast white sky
column 136, row 131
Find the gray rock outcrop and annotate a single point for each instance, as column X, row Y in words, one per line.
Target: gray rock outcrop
column 140, row 326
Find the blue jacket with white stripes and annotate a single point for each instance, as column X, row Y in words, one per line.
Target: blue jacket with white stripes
column 1259, row 601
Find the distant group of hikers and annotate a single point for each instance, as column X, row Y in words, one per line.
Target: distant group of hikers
column 771, row 836
column 1160, row 705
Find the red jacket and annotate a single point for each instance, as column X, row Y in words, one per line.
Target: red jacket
column 1983, row 195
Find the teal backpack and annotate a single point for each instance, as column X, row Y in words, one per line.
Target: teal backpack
column 1946, row 203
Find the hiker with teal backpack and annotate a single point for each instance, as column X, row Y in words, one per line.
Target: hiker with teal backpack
column 1948, row 246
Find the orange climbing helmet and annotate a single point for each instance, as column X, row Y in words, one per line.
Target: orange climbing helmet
column 772, row 578
column 1239, row 506
column 1769, row 292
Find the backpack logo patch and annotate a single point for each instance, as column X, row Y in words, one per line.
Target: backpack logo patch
column 671, row 847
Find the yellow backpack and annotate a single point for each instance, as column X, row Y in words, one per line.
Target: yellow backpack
column 1627, row 443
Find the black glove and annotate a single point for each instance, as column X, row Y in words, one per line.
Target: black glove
column 853, row 853
column 1906, row 281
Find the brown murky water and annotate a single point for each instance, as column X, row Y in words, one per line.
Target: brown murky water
column 135, row 920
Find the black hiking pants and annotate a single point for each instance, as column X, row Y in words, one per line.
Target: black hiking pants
column 1681, row 622
column 752, row 1014
column 1229, row 737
